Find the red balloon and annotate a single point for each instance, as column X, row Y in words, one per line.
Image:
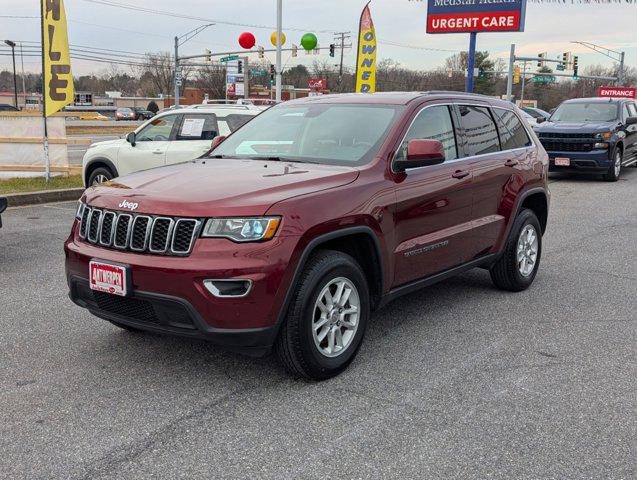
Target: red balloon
column 247, row 40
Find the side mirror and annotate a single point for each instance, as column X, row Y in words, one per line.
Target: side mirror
column 131, row 138
column 631, row 121
column 217, row 141
column 540, row 119
column 421, row 153
column 3, row 207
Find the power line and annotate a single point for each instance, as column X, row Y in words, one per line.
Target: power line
column 172, row 14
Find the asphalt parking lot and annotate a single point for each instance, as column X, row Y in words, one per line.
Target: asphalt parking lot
column 457, row 381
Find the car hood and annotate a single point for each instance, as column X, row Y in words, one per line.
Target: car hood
column 107, row 143
column 582, row 127
column 217, row 187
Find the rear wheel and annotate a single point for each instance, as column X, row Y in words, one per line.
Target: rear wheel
column 327, row 318
column 515, row 270
column 615, row 169
column 100, row 175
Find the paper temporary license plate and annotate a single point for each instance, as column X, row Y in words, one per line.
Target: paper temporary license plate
column 108, row 278
column 562, row 162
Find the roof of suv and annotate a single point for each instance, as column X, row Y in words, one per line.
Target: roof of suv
column 397, row 98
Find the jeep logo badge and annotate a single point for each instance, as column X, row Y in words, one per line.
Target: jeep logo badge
column 129, row 205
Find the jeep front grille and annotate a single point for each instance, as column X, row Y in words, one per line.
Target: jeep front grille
column 139, row 233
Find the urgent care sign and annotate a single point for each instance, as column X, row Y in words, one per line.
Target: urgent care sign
column 463, row 16
column 617, row 92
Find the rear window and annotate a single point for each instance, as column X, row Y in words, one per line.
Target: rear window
column 479, row 129
column 512, row 132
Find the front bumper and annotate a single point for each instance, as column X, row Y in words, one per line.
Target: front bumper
column 168, row 293
column 595, row 161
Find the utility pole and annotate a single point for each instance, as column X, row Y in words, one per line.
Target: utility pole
column 341, row 36
column 177, row 79
column 620, row 75
column 523, row 80
column 279, row 31
column 15, row 80
column 24, row 88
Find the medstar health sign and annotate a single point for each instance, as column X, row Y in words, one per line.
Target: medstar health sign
column 463, row 16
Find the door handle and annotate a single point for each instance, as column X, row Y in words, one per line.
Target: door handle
column 460, row 174
column 511, row 163
column 158, row 152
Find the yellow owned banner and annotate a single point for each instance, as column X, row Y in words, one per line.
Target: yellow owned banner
column 56, row 61
column 366, row 59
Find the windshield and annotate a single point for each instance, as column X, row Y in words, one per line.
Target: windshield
column 327, row 133
column 585, row 112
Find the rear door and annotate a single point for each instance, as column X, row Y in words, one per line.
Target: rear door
column 433, row 204
column 152, row 142
column 493, row 165
column 630, row 110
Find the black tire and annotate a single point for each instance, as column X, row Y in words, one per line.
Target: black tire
column 127, row 327
column 613, row 175
column 295, row 346
column 505, row 273
column 100, row 171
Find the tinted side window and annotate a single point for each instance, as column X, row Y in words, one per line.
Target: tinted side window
column 198, row 127
column 512, row 132
column 632, row 109
column 625, row 113
column 432, row 123
column 479, row 130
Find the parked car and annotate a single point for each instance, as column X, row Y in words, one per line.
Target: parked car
column 317, row 212
column 531, row 120
column 125, row 113
column 591, row 135
column 8, row 108
column 170, row 137
column 142, row 113
column 3, row 207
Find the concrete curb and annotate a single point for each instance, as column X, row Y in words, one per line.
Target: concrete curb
column 43, row 196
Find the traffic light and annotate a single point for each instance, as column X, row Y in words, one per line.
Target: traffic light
column 240, row 66
column 261, row 52
column 575, row 67
column 208, row 55
column 516, row 74
column 295, row 50
column 272, row 74
column 332, row 50
column 541, row 56
column 565, row 56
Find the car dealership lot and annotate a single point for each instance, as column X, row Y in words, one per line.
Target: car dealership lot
column 457, row 380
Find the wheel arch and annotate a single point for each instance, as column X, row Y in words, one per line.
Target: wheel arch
column 360, row 242
column 97, row 163
column 537, row 202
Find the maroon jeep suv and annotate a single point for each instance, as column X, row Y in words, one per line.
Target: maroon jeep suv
column 291, row 231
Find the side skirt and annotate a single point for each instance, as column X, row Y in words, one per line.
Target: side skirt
column 485, row 261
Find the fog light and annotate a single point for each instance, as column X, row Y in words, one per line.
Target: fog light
column 228, row 288
column 601, row 145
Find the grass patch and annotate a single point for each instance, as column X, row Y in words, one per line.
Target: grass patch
column 34, row 184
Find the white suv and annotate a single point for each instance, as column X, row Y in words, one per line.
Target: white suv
column 173, row 136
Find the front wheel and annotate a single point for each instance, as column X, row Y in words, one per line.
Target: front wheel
column 327, row 318
column 517, row 267
column 100, row 175
column 615, row 169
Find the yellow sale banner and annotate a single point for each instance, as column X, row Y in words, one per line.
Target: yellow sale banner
column 56, row 60
column 366, row 60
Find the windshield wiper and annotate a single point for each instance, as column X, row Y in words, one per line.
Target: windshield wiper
column 275, row 158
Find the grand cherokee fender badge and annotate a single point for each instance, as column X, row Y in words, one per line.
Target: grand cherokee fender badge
column 129, row 205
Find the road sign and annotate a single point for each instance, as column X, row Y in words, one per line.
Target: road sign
column 559, row 67
column 257, row 73
column 470, row 16
column 544, row 79
column 229, row 58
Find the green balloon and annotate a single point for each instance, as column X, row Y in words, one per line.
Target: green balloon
column 309, row 41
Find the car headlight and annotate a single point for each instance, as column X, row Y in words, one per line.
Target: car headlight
column 80, row 210
column 604, row 135
column 242, row 229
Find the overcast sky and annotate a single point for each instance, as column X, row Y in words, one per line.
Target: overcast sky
column 549, row 27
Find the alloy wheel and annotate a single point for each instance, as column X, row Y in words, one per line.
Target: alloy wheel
column 527, row 251
column 335, row 317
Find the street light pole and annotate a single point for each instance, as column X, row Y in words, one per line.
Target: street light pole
column 279, row 31
column 178, row 42
column 15, row 78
